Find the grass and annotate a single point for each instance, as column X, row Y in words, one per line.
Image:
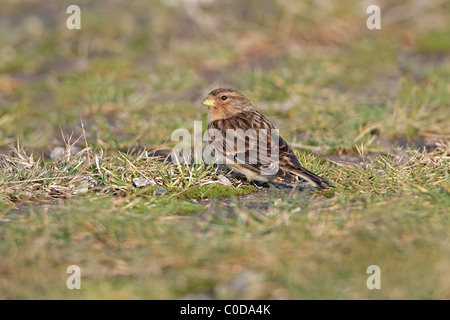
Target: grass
column 366, row 109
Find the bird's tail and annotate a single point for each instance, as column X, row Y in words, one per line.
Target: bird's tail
column 310, row 177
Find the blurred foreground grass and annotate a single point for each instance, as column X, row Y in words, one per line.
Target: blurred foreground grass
column 135, row 72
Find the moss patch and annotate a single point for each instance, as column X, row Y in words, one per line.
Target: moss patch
column 202, row 192
column 216, row 191
column 173, row 207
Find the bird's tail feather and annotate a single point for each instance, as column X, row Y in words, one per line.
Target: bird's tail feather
column 311, row 177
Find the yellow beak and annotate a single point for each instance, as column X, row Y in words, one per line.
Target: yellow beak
column 209, row 103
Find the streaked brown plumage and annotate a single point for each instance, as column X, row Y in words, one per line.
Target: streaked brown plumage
column 229, row 109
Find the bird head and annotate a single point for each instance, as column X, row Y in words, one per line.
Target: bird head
column 225, row 103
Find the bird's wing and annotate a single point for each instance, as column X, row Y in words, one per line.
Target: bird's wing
column 252, row 144
column 247, row 141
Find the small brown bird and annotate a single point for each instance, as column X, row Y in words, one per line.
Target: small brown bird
column 230, row 111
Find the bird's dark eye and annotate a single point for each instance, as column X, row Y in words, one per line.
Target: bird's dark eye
column 224, row 97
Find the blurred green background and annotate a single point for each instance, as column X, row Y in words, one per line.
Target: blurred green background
column 138, row 70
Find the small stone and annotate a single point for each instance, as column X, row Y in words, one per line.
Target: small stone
column 86, row 183
column 140, row 183
column 224, row 180
column 59, row 153
column 81, row 189
column 161, row 191
column 91, row 181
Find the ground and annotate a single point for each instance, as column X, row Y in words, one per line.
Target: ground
column 82, row 113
